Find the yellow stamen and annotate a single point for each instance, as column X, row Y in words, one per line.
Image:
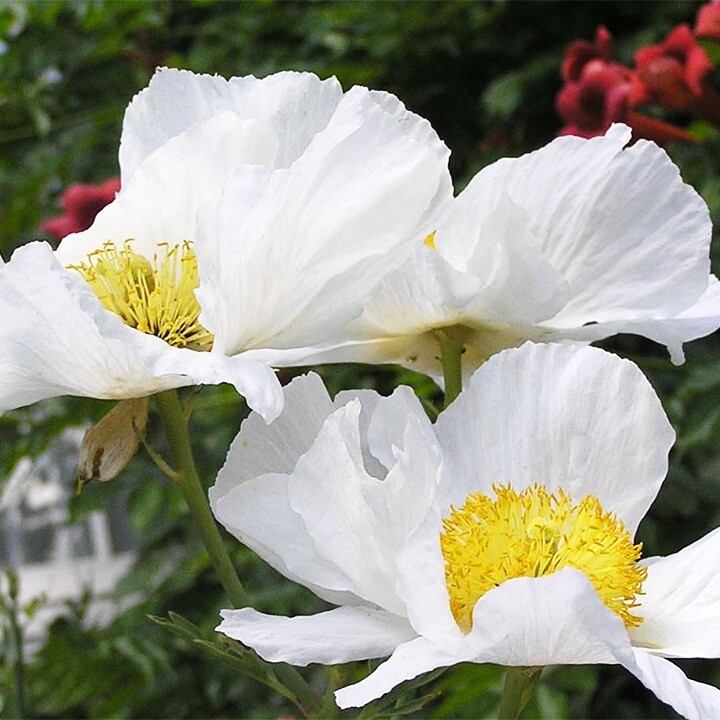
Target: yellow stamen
column 535, row 533
column 430, row 241
column 156, row 297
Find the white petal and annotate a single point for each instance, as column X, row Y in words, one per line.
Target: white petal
column 561, row 416
column 422, row 586
column 255, row 381
column 331, row 475
column 332, row 637
column 56, row 339
column 699, row 320
column 161, row 203
column 620, row 225
column 387, row 427
column 425, row 292
column 369, row 401
column 693, row 700
column 557, row 619
column 260, row 448
column 681, row 604
column 294, row 105
column 407, row 662
column 325, row 230
column 258, row 513
column 515, row 283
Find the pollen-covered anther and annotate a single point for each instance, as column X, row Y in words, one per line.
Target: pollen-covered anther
column 155, row 296
column 534, row 533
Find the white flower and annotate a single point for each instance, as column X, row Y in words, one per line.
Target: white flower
column 502, row 534
column 282, row 200
column 577, row 241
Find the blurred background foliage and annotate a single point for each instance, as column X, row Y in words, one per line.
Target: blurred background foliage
column 485, row 74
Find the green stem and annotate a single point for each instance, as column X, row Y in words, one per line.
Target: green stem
column 175, row 422
column 176, row 429
column 17, row 642
column 452, row 342
column 519, row 686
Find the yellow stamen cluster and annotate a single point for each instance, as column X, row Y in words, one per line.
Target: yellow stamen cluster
column 430, row 241
column 156, row 297
column 534, row 533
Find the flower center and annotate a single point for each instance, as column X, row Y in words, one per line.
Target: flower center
column 155, row 297
column 535, row 533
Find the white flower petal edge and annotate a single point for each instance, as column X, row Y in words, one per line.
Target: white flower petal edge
column 611, row 236
column 160, row 203
column 682, row 602
column 331, row 637
column 300, row 256
column 545, row 404
column 52, row 339
column 521, row 623
column 295, row 106
column 75, row 347
column 567, row 417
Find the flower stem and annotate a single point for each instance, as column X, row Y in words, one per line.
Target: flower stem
column 175, row 422
column 452, row 342
column 519, row 686
column 176, row 429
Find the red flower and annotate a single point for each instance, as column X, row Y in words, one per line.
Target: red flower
column 599, row 92
column 707, row 24
column 582, row 52
column 673, row 72
column 596, row 100
column 81, row 204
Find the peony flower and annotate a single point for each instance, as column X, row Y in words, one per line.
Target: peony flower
column 577, row 241
column 253, row 213
column 502, row 534
column 81, row 204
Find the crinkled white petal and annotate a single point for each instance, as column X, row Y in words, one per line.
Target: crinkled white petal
column 556, row 619
column 422, row 586
column 699, row 320
column 387, row 428
column 256, row 381
column 516, row 283
column 307, row 251
column 425, row 292
column 258, row 513
column 408, row 661
column 562, row 416
column 294, row 105
column 260, row 448
column 369, row 402
column 332, row 475
column 56, row 339
column 161, row 202
column 336, row 636
column 681, row 602
column 629, row 237
column 692, row 699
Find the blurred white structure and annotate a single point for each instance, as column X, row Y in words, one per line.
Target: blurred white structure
column 52, row 557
